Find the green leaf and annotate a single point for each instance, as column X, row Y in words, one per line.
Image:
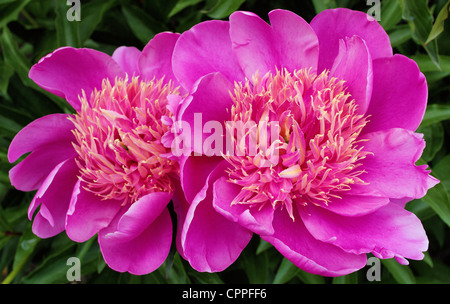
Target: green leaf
column 401, row 273
column 181, row 5
column 441, row 169
column 143, row 26
column 391, row 12
column 438, row 26
column 321, row 5
column 351, row 278
column 67, row 31
column 6, row 71
column 434, row 137
column 420, row 19
column 92, row 14
column 223, row 8
column 10, row 11
column 438, row 199
column 285, row 272
column 435, row 113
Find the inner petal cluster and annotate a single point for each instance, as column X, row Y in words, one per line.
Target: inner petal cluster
column 301, row 143
column 118, row 139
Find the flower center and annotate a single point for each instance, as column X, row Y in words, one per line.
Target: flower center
column 118, row 132
column 313, row 154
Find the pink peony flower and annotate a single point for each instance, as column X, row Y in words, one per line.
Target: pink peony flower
column 102, row 170
column 330, row 185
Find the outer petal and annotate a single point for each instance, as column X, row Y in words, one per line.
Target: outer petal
column 54, row 197
column 127, row 57
column 296, row 243
column 211, row 242
column 156, row 58
column 399, row 97
column 205, row 48
column 199, row 110
column 389, row 232
column 142, row 254
column 354, row 205
column 334, row 24
column 88, row 213
column 139, row 238
column 391, row 170
column 254, row 219
column 68, row 71
column 181, row 207
column 29, row 173
column 194, row 172
column 298, row 45
column 354, row 65
column 41, row 132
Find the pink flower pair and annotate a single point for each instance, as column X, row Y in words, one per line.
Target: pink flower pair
column 328, row 187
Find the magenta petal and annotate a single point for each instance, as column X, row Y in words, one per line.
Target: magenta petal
column 255, row 219
column 297, row 244
column 29, row 173
column 194, row 172
column 399, row 97
column 388, row 232
column 156, row 58
column 253, row 43
column 127, row 57
column 54, row 197
column 335, row 24
column 143, row 253
column 354, row 205
column 354, row 65
column 391, row 170
column 43, row 131
column 210, row 242
column 181, row 207
column 200, row 110
column 88, row 213
column 296, row 41
column 205, row 48
column 67, row 71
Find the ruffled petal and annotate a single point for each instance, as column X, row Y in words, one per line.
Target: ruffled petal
column 210, row 242
column 205, row 48
column 388, row 232
column 88, row 213
column 354, row 65
column 144, row 252
column 356, row 205
column 399, row 97
column 391, row 169
column 296, row 243
column 127, row 57
column 258, row 220
column 67, row 71
column 53, row 197
column 156, row 58
column 334, row 24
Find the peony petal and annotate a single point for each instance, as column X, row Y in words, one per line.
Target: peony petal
column 194, row 172
column 205, row 48
column 254, row 219
column 67, row 71
column 354, row 65
column 388, row 232
column 156, row 58
column 355, row 205
column 127, row 57
column 335, row 24
column 54, row 197
column 209, row 241
column 199, row 110
column 399, row 97
column 294, row 241
column 139, row 255
column 181, row 207
column 88, row 213
column 254, row 43
column 41, row 132
column 297, row 42
column 391, row 170
column 29, row 174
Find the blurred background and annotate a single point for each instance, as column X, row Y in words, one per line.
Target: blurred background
column 30, row 29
